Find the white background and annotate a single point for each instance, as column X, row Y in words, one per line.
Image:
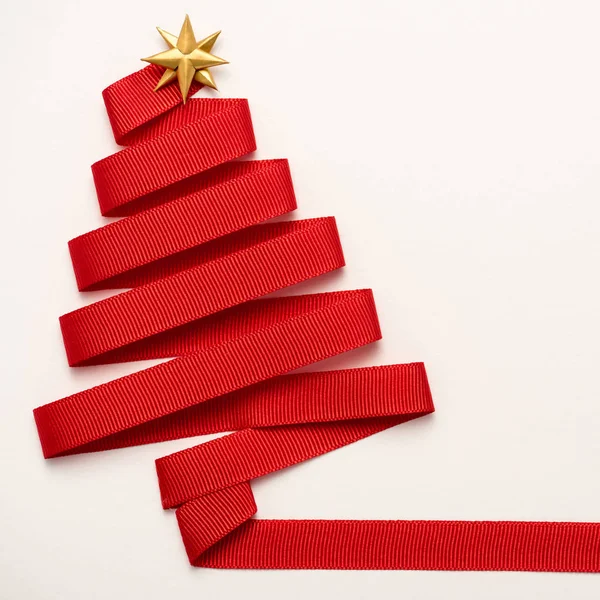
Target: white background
column 457, row 143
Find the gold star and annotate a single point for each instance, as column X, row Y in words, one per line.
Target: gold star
column 186, row 59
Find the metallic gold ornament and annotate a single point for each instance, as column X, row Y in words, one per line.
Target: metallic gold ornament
column 186, row 59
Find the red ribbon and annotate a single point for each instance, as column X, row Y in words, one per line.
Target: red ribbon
column 195, row 250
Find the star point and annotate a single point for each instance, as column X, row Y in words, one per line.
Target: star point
column 186, row 59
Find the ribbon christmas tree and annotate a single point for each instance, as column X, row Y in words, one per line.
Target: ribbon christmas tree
column 195, row 249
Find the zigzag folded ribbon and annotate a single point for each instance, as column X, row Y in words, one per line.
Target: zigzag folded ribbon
column 199, row 258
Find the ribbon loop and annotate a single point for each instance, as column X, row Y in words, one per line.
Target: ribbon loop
column 226, row 273
column 360, row 402
column 234, row 349
column 191, row 139
column 161, row 241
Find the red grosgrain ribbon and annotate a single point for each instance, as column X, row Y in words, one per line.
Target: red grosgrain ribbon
column 232, row 350
column 209, row 486
column 234, row 270
column 196, row 251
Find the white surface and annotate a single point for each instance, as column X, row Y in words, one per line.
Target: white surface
column 457, row 145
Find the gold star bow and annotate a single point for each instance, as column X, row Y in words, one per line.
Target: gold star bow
column 186, row 59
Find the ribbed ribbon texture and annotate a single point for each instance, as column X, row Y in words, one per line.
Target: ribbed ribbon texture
column 200, row 255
